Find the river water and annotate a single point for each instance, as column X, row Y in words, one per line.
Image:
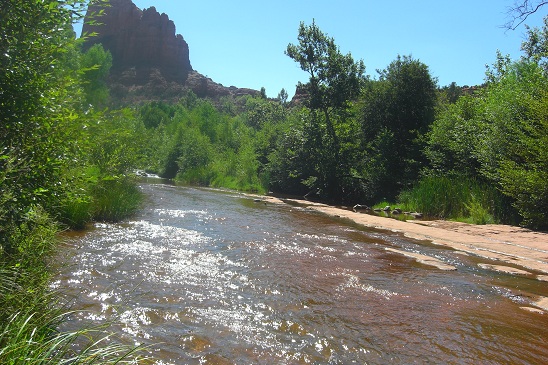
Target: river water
column 209, row 277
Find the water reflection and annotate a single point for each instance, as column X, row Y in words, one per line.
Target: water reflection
column 215, row 278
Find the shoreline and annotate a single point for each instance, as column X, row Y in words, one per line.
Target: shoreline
column 515, row 250
column 508, row 245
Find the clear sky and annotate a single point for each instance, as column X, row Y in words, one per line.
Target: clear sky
column 242, row 42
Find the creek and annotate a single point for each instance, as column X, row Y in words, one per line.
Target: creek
column 213, row 277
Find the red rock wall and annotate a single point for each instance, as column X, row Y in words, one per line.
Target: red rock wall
column 143, row 40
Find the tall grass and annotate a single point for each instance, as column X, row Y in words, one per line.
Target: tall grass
column 30, row 334
column 454, row 197
column 114, row 200
column 31, row 314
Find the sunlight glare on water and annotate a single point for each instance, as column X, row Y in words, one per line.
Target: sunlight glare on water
column 208, row 277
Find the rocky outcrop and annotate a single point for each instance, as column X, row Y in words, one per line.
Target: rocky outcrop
column 138, row 40
column 149, row 60
column 300, row 96
column 204, row 87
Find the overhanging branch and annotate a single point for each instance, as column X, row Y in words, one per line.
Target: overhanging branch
column 520, row 11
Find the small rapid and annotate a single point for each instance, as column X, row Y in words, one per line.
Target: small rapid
column 211, row 277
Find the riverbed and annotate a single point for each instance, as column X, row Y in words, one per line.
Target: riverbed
column 212, row 277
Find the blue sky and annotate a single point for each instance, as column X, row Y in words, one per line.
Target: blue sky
column 242, row 42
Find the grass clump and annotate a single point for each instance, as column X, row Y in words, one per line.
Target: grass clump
column 115, row 199
column 455, row 197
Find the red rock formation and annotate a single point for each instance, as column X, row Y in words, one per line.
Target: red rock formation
column 149, row 61
column 143, row 40
column 301, row 95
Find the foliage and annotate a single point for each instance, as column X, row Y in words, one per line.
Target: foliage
column 95, row 67
column 33, row 105
column 335, row 81
column 395, row 114
column 535, row 46
column 46, row 160
column 500, row 137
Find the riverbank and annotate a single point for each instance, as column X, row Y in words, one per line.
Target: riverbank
column 515, row 250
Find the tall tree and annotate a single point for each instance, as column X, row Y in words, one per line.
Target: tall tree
column 335, row 80
column 96, row 63
column 34, row 103
column 397, row 111
column 535, row 46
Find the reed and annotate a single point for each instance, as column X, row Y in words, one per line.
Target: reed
column 31, row 336
column 31, row 313
column 115, row 199
column 76, row 212
column 453, row 197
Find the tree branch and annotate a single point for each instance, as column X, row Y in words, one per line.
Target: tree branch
column 521, row 11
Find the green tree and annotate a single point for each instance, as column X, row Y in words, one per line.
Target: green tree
column 500, row 137
column 282, row 96
column 396, row 113
column 36, row 106
column 96, row 64
column 535, row 46
column 335, row 80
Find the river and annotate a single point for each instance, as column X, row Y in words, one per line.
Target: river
column 212, row 277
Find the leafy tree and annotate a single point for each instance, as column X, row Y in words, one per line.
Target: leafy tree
column 535, row 46
column 96, row 64
column 335, row 80
column 451, row 93
column 35, row 106
column 397, row 111
column 453, row 137
column 500, row 137
column 282, row 96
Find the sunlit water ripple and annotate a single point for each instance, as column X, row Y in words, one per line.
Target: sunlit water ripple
column 209, row 277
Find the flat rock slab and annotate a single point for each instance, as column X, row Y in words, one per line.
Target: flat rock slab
column 533, row 310
column 542, row 303
column 424, row 259
column 542, row 277
column 504, row 269
column 506, row 244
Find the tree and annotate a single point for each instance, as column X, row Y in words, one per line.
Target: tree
column 35, row 105
column 500, row 136
column 397, row 111
column 282, row 96
column 335, row 80
column 96, row 64
column 535, row 46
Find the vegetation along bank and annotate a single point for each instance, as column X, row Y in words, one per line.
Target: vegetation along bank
column 70, row 139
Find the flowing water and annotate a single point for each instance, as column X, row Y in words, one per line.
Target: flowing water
column 209, row 277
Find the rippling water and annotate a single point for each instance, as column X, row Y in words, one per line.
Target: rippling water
column 208, row 277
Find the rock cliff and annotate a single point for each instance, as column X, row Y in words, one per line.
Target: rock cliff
column 140, row 40
column 150, row 61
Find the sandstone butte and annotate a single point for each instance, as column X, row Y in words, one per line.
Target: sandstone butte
column 149, row 60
